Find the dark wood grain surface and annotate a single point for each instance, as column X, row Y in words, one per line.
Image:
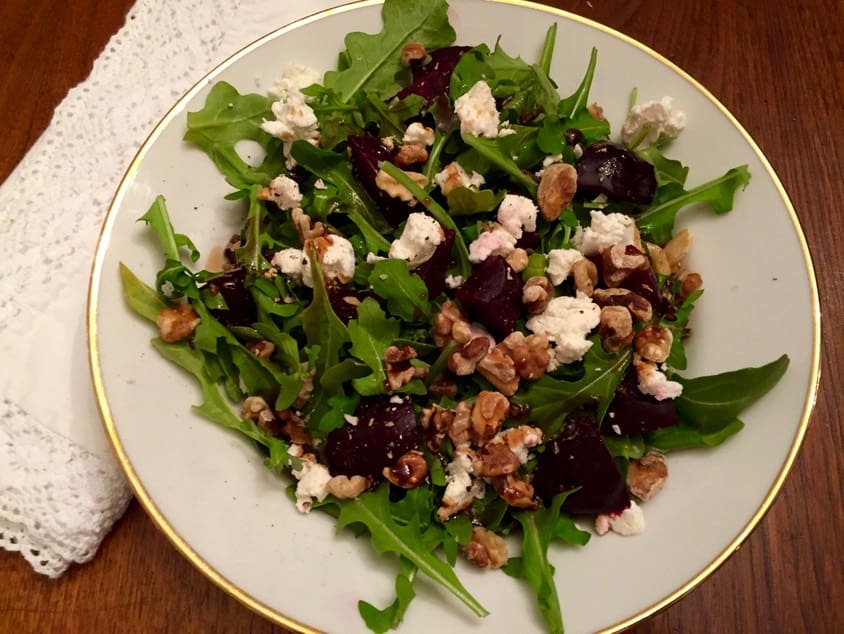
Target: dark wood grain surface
column 776, row 65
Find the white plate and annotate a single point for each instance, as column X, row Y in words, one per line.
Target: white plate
column 207, row 487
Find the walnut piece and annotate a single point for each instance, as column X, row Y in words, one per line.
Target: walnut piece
column 305, row 227
column 619, row 261
column 536, row 294
column 486, row 549
column 615, row 328
column 460, row 425
column 659, row 261
column 293, row 428
column 412, row 52
column 446, row 320
column 495, row 459
column 409, row 471
column 177, row 324
column 677, row 248
column 690, row 283
column 500, row 370
column 639, row 307
column 556, row 189
column 596, row 111
column 411, row 154
column 653, row 343
column 489, row 411
column 646, row 476
column 529, row 354
column 463, row 362
column 585, row 275
column 394, row 189
column 518, row 260
column 435, row 422
column 515, row 492
column 256, row 409
column 346, row 488
column 399, row 369
column 262, row 349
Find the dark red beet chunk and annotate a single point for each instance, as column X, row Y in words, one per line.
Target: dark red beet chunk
column 432, row 79
column 607, row 168
column 241, row 311
column 529, row 240
column 384, row 431
column 366, row 153
column 433, row 271
column 632, row 412
column 645, row 284
column 345, row 302
column 577, row 457
column 493, row 296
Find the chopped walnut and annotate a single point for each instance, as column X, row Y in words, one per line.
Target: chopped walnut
column 619, row 261
column 412, row 52
column 307, row 389
column 585, row 275
column 495, row 459
column 536, row 294
column 262, row 349
column 346, row 488
column 515, row 492
column 500, row 370
column 520, row 439
column 556, row 189
column 442, row 387
column 518, row 260
column 460, row 425
column 529, row 354
column 307, row 229
column 659, row 261
column 411, row 154
column 409, row 471
column 399, row 369
column 638, row 306
column 445, row 321
column 256, row 409
column 486, row 549
column 596, row 111
column 177, row 324
column 615, row 328
column 293, row 428
column 654, row 343
column 463, row 362
column 646, row 476
column 690, row 283
column 677, row 248
column 435, row 422
column 489, row 411
column 394, row 189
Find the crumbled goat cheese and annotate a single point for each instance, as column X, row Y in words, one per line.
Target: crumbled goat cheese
column 631, row 521
column 654, row 383
column 453, row 175
column 528, row 438
column 285, row 192
column 566, row 321
column 453, row 281
column 605, row 230
column 560, row 262
column 319, row 184
column 338, row 260
column 372, row 258
column 460, row 487
column 549, row 160
column 663, row 123
column 292, row 263
column 295, row 120
column 419, row 134
column 313, row 480
column 517, row 214
column 294, row 77
column 352, row 420
column 477, row 112
column 418, row 240
column 497, row 241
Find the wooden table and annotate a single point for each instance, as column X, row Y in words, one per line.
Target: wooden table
column 775, row 65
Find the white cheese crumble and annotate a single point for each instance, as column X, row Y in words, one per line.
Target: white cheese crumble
column 460, row 488
column 453, row 175
column 313, row 480
column 631, row 521
column 295, row 120
column 284, row 192
column 517, row 214
column 566, row 321
column 477, row 112
column 654, row 383
column 497, row 241
column 605, row 230
column 560, row 263
column 662, row 121
column 337, row 261
column 453, row 281
column 294, row 77
column 418, row 134
column 418, row 241
column 292, row 263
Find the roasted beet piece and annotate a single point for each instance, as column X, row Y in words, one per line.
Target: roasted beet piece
column 529, row 240
column 433, row 271
column 644, row 283
column 607, row 168
column 241, row 306
column 493, row 296
column 431, row 80
column 632, row 412
column 577, row 457
column 382, row 432
column 366, row 153
column 345, row 302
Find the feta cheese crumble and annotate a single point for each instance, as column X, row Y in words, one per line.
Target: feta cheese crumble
column 654, row 383
column 284, row 192
column 337, row 261
column 453, row 175
column 560, row 263
column 294, row 77
column 497, row 241
column 477, row 112
column 605, row 230
column 292, row 263
column 566, row 321
column 663, row 123
column 419, row 134
column 295, row 120
column 631, row 521
column 418, row 241
column 517, row 214
column 460, row 488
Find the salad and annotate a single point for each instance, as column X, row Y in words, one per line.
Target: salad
column 454, row 317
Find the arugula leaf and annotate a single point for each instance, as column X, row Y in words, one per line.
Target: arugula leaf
column 141, row 298
column 490, row 149
column 405, row 292
column 374, row 60
column 226, row 118
column 464, row 201
column 711, row 400
column 373, row 510
column 547, row 55
column 685, row 436
column 250, row 255
column 667, row 170
column 569, row 107
column 677, row 355
column 371, row 333
column 658, row 221
column 321, row 324
column 550, row 400
column 390, row 617
column 174, row 273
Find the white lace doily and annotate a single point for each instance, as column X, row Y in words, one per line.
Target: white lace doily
column 60, row 489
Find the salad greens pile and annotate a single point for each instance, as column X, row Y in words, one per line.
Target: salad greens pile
column 323, row 366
